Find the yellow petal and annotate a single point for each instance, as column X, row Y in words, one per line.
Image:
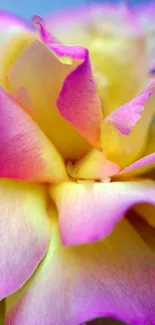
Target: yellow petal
column 11, row 53
column 121, row 59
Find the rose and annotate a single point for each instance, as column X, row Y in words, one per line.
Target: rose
column 63, row 160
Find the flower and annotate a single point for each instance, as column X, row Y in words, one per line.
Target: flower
column 77, row 210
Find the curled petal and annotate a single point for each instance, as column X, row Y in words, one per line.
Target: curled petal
column 39, row 24
column 78, row 100
column 24, row 232
column 74, row 52
column 114, row 277
column 25, row 152
column 90, row 211
column 125, row 131
column 125, row 117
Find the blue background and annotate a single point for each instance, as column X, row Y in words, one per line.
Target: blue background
column 27, row 8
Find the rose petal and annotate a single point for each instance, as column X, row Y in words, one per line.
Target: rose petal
column 25, row 152
column 140, row 166
column 122, row 61
column 114, row 277
column 120, row 146
column 11, row 27
column 24, row 232
column 74, row 52
column 41, row 73
column 78, row 100
column 126, row 116
column 90, row 211
column 23, row 99
column 146, row 163
column 79, row 103
column 45, row 35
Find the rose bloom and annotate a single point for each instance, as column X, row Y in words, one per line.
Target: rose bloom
column 77, row 153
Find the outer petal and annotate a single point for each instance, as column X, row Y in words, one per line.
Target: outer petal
column 125, row 131
column 42, row 72
column 115, row 277
column 25, row 152
column 24, row 232
column 90, row 211
column 78, row 101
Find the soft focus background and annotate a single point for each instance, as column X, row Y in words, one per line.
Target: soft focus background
column 27, row 8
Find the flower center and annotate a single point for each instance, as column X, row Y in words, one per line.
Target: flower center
column 92, row 167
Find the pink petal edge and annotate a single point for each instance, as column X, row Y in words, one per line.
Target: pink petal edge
column 143, row 162
column 126, row 116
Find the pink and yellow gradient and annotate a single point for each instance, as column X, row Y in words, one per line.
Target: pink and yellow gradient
column 76, row 154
